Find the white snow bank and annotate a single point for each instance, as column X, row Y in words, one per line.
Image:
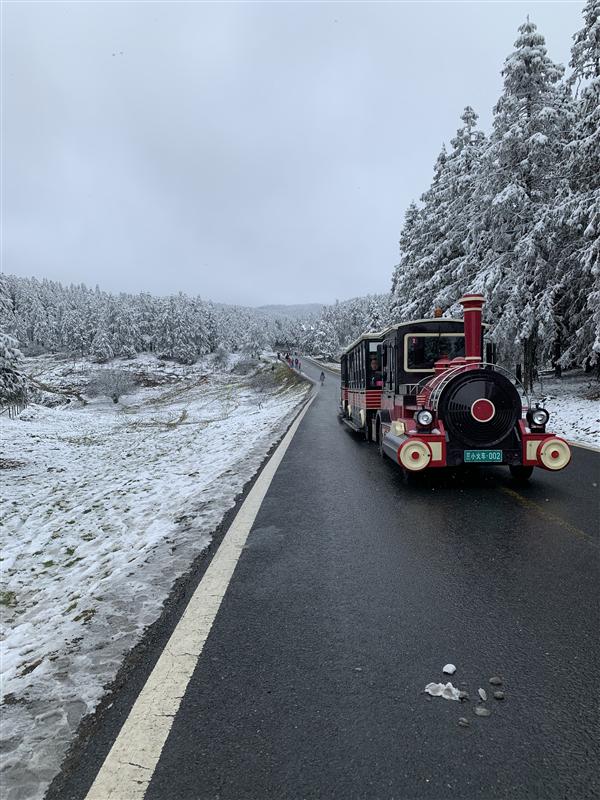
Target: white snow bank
column 574, row 413
column 112, row 504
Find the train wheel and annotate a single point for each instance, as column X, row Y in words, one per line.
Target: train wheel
column 520, row 473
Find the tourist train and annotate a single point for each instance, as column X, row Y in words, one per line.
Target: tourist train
column 425, row 393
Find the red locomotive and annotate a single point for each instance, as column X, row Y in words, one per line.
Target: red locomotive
column 423, row 391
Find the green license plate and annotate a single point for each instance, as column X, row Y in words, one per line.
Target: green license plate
column 483, row 456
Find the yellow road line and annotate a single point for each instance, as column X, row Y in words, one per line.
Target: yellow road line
column 548, row 515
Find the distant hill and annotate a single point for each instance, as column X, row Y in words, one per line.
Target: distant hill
column 300, row 311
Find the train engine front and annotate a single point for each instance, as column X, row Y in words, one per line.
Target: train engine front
column 470, row 411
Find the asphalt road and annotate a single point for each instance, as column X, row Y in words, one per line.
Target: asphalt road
column 353, row 591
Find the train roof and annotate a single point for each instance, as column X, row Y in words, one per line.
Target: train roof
column 408, row 324
column 383, row 334
column 456, row 320
column 369, row 336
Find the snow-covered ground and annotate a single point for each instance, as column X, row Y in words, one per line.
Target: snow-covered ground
column 573, row 403
column 104, row 506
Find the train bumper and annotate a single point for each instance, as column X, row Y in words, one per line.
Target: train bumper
column 546, row 451
column 414, row 453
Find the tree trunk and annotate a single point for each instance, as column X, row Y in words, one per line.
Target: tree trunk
column 556, row 356
column 530, row 361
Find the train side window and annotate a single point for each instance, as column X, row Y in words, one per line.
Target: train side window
column 391, row 366
column 384, row 366
column 360, row 365
column 363, row 371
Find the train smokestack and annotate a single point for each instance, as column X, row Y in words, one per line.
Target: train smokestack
column 472, row 305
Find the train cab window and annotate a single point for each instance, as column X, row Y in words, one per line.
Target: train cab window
column 422, row 350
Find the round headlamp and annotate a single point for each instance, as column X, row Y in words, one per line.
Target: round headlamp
column 538, row 417
column 424, row 417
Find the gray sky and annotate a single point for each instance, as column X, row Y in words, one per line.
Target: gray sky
column 248, row 152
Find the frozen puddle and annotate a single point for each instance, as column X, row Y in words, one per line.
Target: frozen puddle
column 112, row 505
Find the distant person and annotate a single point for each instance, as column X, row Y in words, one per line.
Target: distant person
column 322, row 378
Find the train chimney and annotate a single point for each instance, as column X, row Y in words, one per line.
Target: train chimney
column 472, row 305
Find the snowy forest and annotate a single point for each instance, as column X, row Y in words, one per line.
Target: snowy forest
column 45, row 316
column 514, row 214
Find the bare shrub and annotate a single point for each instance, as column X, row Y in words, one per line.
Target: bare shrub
column 111, row 383
column 592, row 392
column 245, row 366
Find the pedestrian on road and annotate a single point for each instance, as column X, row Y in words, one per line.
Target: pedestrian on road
column 322, row 377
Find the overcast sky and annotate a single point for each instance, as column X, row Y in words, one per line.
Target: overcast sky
column 248, row 152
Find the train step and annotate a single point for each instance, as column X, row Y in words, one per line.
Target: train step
column 350, row 424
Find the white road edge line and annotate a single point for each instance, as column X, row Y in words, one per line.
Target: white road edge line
column 130, row 764
column 583, row 446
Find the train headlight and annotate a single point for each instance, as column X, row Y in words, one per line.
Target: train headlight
column 537, row 418
column 424, row 418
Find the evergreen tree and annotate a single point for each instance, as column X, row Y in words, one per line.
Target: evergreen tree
column 13, row 386
column 519, row 179
column 576, row 213
column 101, row 350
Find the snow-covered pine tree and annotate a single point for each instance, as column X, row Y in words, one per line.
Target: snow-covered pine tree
column 375, row 318
column 101, row 350
column 574, row 218
column 124, row 333
column 254, row 341
column 409, row 255
column 454, row 260
column 518, row 180
column 325, row 341
column 422, row 245
column 73, row 337
column 13, row 385
column 7, row 305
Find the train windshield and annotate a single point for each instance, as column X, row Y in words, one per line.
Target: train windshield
column 422, row 350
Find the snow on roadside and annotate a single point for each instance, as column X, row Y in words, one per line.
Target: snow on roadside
column 110, row 505
column 573, row 405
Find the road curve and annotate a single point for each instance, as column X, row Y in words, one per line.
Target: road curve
column 353, row 590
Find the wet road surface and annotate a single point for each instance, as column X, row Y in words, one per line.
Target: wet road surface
column 353, row 591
